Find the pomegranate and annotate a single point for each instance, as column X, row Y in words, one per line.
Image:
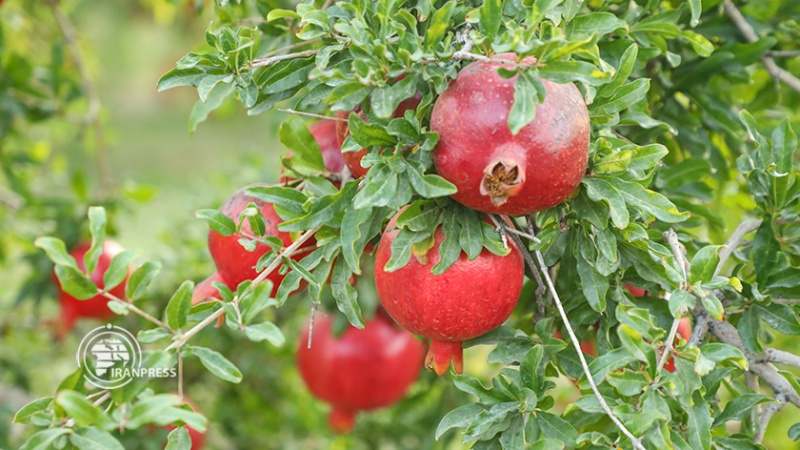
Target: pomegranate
column 470, row 299
column 97, row 306
column 635, row 291
column 494, row 170
column 324, row 133
column 234, row 263
column 359, row 370
column 353, row 159
column 685, row 331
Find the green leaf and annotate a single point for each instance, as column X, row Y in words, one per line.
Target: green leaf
column 594, row 285
column 704, row 264
column 345, row 295
column 439, row 24
column 97, row 227
column 217, row 364
column 429, row 186
column 56, row 251
column 739, row 407
column 288, row 198
column 780, row 317
column 202, row 110
column 118, row 269
column 680, row 298
column 700, row 44
column 322, row 210
column 217, row 221
column 306, row 154
column 449, row 249
column 149, row 409
column 380, row 188
column 601, row 23
column 460, row 417
column 563, row 72
column 491, row 14
column 94, row 439
column 179, row 305
column 698, row 425
column 626, row 64
column 600, row 190
column 646, row 200
column 548, row 444
column 140, row 280
column 696, row 7
column 266, row 331
column 557, row 428
column 538, row 10
column 179, row 439
column 749, row 326
column 152, row 335
column 75, row 283
column 45, row 439
column 27, row 412
column 191, row 76
column 528, row 92
column 513, row 438
column 624, row 96
column 470, row 239
column 385, row 100
column 766, row 249
column 83, row 411
column 369, row 135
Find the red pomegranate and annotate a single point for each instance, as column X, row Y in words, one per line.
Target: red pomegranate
column 234, row 263
column 97, row 306
column 635, row 291
column 324, row 133
column 494, row 170
column 198, row 438
column 353, row 159
column 470, row 299
column 684, row 331
column 359, row 370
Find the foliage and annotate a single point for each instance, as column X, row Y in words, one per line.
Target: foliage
column 691, row 140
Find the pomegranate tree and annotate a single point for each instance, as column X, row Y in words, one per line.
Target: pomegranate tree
column 469, row 299
column 236, row 264
column 495, row 170
column 360, row 370
column 97, row 306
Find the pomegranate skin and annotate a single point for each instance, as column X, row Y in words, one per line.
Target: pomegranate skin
column 324, row 133
column 97, row 306
column 470, row 299
column 234, row 263
column 204, row 290
column 353, row 159
column 359, row 370
column 495, row 171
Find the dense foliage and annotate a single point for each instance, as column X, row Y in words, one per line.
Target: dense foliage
column 691, row 193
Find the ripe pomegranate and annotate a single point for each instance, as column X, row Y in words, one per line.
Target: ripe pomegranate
column 353, row 159
column 685, row 331
column 470, row 299
column 359, row 370
column 234, row 263
column 97, row 306
column 324, row 133
column 494, row 170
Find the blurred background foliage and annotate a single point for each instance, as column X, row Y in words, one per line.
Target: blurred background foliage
column 136, row 156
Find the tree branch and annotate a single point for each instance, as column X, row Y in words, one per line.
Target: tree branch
column 140, row 312
column 287, row 252
column 769, row 411
column 735, row 241
column 636, row 442
column 750, row 35
column 540, row 287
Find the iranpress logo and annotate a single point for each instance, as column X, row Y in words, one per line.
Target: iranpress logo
column 118, row 358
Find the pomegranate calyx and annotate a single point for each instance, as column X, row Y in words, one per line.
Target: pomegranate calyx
column 441, row 354
column 341, row 421
column 502, row 179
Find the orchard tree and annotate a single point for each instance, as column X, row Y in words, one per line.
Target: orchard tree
column 534, row 163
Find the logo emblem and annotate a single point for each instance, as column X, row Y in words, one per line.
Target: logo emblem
column 116, row 353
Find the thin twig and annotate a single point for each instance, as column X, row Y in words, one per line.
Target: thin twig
column 637, row 444
column 678, row 252
column 180, row 374
column 540, row 287
column 669, row 346
column 318, row 116
column 750, row 36
column 735, row 241
column 769, row 411
column 288, row 251
column 264, row 62
column 783, row 53
column 130, row 306
column 699, row 331
column 92, row 117
column 311, row 323
column 102, row 399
